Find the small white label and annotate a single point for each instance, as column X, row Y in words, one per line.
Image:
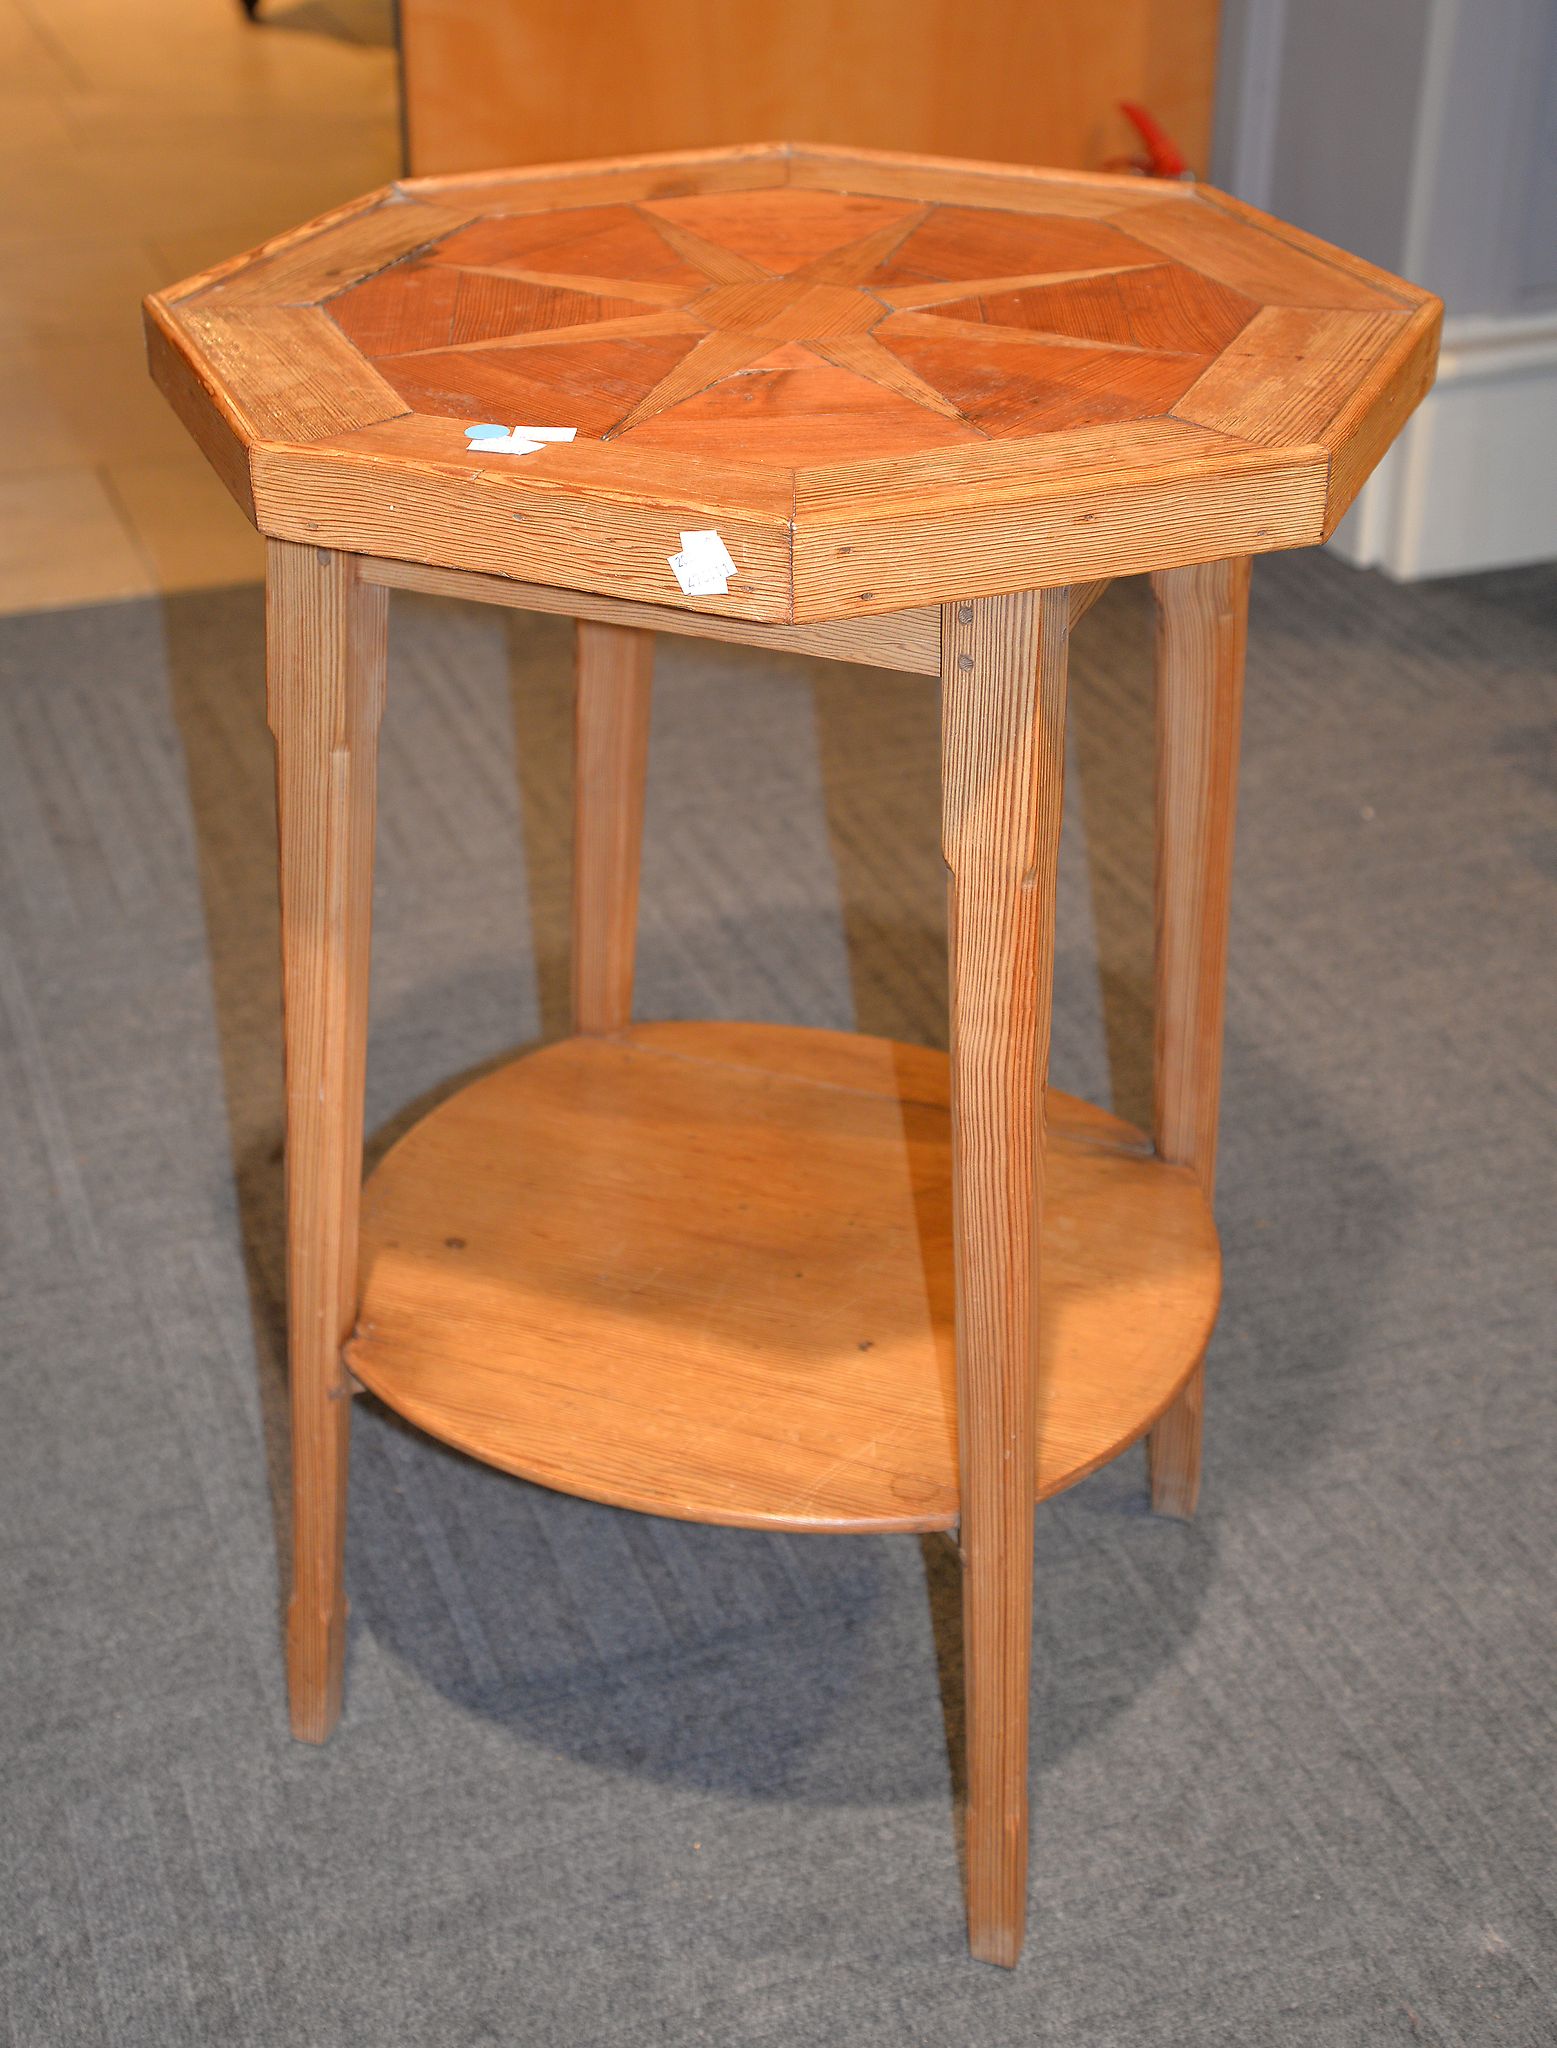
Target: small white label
column 489, row 439
column 707, row 545
column 704, row 566
column 504, row 444
column 697, row 577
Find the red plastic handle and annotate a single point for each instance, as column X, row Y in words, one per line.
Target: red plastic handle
column 1163, row 158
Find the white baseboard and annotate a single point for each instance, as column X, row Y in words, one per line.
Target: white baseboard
column 1472, row 481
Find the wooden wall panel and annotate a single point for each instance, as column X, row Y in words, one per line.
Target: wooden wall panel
column 492, row 82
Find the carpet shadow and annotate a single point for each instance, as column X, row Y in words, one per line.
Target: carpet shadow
column 752, row 1663
column 216, row 688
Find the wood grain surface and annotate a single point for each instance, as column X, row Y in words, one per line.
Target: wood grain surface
column 706, row 1270
column 790, row 340
column 1002, row 772
column 906, row 640
column 326, row 649
column 613, row 686
column 1202, row 626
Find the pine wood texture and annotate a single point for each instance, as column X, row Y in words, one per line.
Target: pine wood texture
column 615, row 670
column 705, row 1270
column 1002, row 771
column 887, row 380
column 326, row 649
column 908, row 640
column 1202, row 627
column 740, row 1273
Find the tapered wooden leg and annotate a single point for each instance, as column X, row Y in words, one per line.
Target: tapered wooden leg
column 326, row 636
column 1002, row 764
column 615, row 668
column 1202, row 622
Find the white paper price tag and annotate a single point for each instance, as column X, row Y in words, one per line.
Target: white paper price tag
column 708, row 546
column 704, row 566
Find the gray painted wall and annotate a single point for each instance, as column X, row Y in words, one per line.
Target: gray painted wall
column 1422, row 134
column 1351, row 89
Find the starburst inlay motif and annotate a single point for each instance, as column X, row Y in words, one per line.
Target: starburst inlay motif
column 784, row 326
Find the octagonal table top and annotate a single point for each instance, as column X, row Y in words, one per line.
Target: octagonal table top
column 885, row 381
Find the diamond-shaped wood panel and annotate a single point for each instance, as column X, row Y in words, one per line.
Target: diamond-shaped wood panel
column 886, row 381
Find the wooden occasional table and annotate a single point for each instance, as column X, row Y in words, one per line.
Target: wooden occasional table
column 740, row 1273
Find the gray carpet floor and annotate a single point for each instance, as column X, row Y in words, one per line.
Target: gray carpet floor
column 606, row 1780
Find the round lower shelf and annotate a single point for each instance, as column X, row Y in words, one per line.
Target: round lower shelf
column 705, row 1270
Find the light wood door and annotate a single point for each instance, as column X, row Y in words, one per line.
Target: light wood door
column 492, row 82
